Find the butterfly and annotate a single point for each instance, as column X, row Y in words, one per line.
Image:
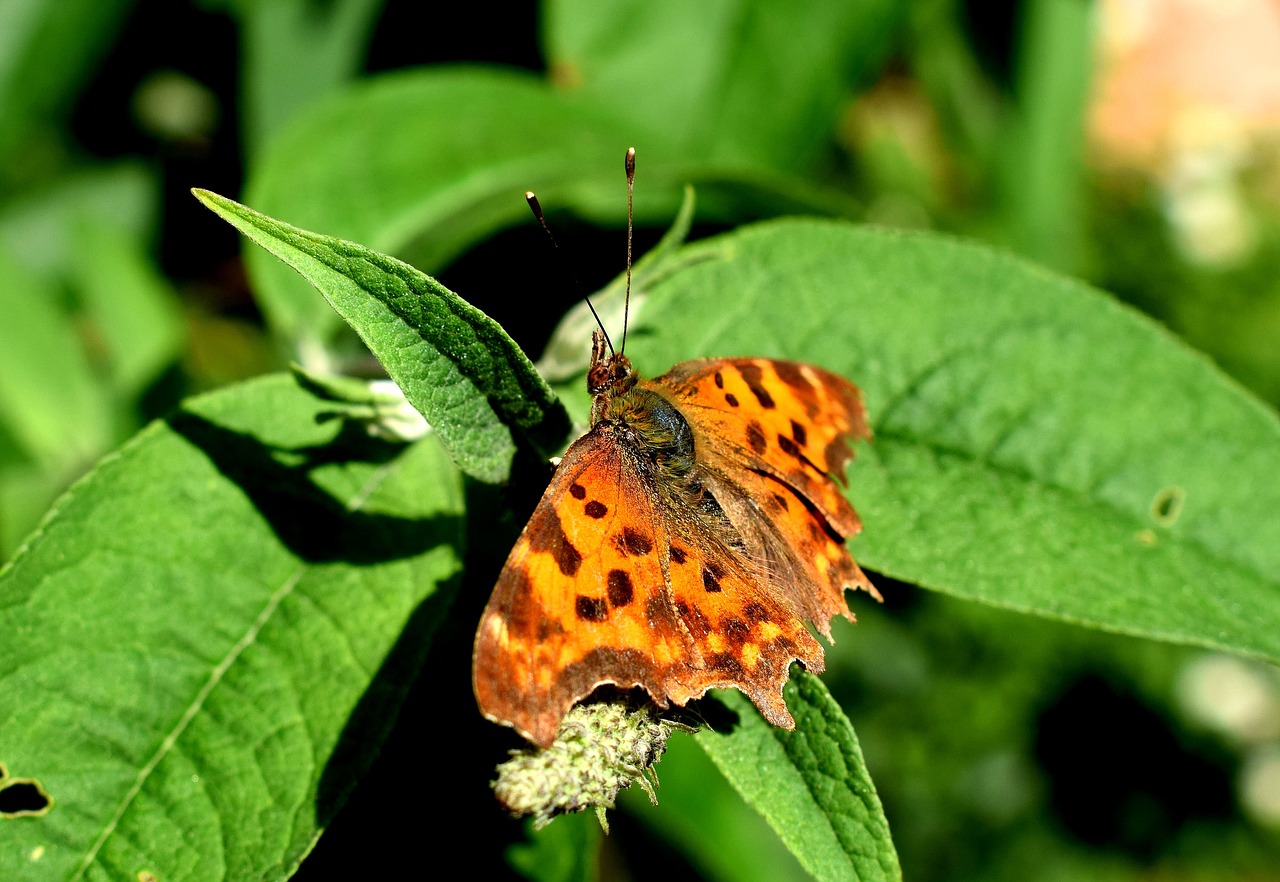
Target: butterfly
column 682, row 545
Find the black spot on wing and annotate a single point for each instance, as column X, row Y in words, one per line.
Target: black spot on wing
column 799, row 434
column 577, row 491
column 548, row 628
column 633, row 542
column 731, row 399
column 694, row 619
column 568, row 558
column 620, row 590
column 788, row 446
column 711, row 578
column 737, row 631
column 677, row 554
column 755, row 382
column 789, row 372
column 725, row 663
column 755, row 438
column 595, row 509
column 591, row 609
column 549, row 538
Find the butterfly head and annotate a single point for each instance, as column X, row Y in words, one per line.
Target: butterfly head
column 611, row 373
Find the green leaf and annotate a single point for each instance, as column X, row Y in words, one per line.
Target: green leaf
column 702, row 815
column 1041, row 166
column 135, row 313
column 41, row 229
column 47, row 48
column 1028, row 428
column 207, row 640
column 386, row 164
column 54, row 406
column 810, row 784
column 295, row 51
column 703, row 71
column 454, row 363
column 26, row 492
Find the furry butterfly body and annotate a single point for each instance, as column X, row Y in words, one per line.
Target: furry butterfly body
column 682, row 544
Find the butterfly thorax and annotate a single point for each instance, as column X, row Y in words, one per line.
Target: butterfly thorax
column 642, row 421
column 649, row 426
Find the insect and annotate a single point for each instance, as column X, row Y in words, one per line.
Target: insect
column 683, row 543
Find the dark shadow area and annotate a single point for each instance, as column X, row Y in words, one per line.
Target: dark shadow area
column 1121, row 775
column 524, row 283
column 708, row 712
column 378, row 709
column 309, row 522
column 151, row 39
column 633, row 851
column 409, row 34
column 899, row 597
column 426, row 792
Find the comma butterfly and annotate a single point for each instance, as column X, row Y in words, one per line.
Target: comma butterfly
column 683, row 543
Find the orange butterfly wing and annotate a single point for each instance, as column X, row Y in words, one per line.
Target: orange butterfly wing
column 568, row 611
column 621, row 577
column 776, row 435
column 608, row 586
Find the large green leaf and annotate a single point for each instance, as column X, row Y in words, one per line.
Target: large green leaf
column 208, row 638
column 705, row 72
column 422, row 164
column 454, row 363
column 702, row 815
column 1038, row 446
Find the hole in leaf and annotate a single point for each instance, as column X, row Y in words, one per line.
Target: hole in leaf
column 1167, row 505
column 21, row 798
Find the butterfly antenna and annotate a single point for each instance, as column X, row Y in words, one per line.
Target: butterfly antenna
column 631, row 186
column 542, row 221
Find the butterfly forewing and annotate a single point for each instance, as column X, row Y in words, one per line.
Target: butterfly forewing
column 795, row 421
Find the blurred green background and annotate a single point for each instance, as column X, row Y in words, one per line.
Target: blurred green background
column 1134, row 145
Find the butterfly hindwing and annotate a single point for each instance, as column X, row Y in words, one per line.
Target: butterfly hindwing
column 743, row 635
